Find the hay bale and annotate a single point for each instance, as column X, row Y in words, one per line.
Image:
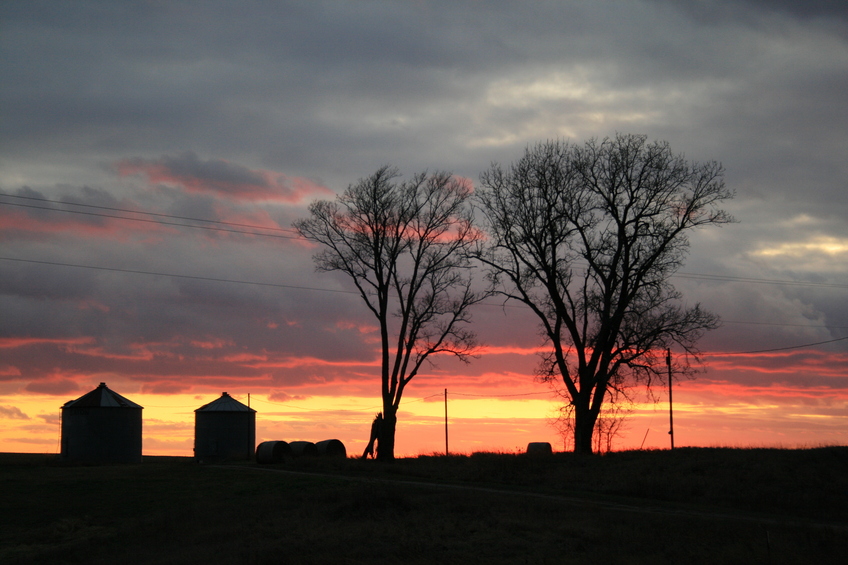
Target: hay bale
column 303, row 449
column 331, row 448
column 273, row 452
column 539, row 448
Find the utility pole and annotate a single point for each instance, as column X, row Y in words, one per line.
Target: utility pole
column 446, row 423
column 670, row 410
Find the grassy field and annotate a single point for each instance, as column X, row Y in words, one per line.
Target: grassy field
column 654, row 507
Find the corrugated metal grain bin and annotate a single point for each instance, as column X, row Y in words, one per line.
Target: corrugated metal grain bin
column 101, row 427
column 224, row 429
column 331, row 448
column 273, row 452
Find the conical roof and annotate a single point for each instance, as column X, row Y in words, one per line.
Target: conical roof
column 102, row 397
column 225, row 404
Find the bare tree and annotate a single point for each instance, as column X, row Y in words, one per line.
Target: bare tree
column 587, row 238
column 609, row 426
column 405, row 245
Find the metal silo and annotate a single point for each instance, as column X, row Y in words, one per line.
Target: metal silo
column 224, row 429
column 101, row 427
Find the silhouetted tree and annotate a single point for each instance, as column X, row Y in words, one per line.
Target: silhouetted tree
column 587, row 238
column 609, row 426
column 405, row 245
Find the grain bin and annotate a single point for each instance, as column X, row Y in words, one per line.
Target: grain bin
column 331, row 448
column 273, row 452
column 101, row 427
column 224, row 429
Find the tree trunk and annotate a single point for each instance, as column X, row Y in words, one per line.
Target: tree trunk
column 386, row 443
column 584, row 428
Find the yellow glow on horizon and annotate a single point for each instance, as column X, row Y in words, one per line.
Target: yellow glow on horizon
column 32, row 423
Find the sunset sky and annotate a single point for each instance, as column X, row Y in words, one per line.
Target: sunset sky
column 153, row 155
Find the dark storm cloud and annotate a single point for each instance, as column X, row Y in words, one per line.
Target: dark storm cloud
column 804, row 9
column 214, row 172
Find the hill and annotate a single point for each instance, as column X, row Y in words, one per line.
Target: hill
column 690, row 505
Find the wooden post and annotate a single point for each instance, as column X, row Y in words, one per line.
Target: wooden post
column 670, row 410
column 446, row 423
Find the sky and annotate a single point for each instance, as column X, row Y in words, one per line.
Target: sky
column 154, row 154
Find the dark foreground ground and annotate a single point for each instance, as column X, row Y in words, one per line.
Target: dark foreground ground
column 687, row 506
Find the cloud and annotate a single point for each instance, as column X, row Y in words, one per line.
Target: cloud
column 222, row 178
column 281, row 396
column 245, row 116
column 30, row 214
column 55, row 386
column 753, row 11
column 14, row 342
column 12, row 413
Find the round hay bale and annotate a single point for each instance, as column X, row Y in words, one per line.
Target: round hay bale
column 272, row 452
column 303, row 449
column 539, row 448
column 331, row 448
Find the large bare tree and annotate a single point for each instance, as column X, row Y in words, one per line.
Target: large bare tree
column 405, row 245
column 587, row 236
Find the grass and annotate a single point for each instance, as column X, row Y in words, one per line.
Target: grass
column 690, row 505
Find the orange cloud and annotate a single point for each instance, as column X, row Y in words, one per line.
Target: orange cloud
column 300, row 362
column 798, row 362
column 512, row 350
column 54, row 387
column 750, row 393
column 12, row 342
column 212, row 343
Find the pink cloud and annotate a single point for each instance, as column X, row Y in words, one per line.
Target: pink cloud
column 799, row 362
column 359, row 327
column 165, row 387
column 18, row 224
column 212, row 343
column 283, row 397
column 221, row 177
column 512, row 350
column 12, row 342
column 56, row 387
column 306, row 361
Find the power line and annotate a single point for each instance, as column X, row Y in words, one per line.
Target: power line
column 367, row 409
column 256, row 283
column 785, row 348
column 755, row 280
column 781, row 325
column 142, row 212
column 155, row 273
column 682, row 275
column 145, row 220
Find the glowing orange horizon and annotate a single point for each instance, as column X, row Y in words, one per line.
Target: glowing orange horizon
column 706, row 414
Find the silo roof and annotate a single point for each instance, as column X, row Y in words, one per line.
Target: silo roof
column 102, row 396
column 225, row 403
